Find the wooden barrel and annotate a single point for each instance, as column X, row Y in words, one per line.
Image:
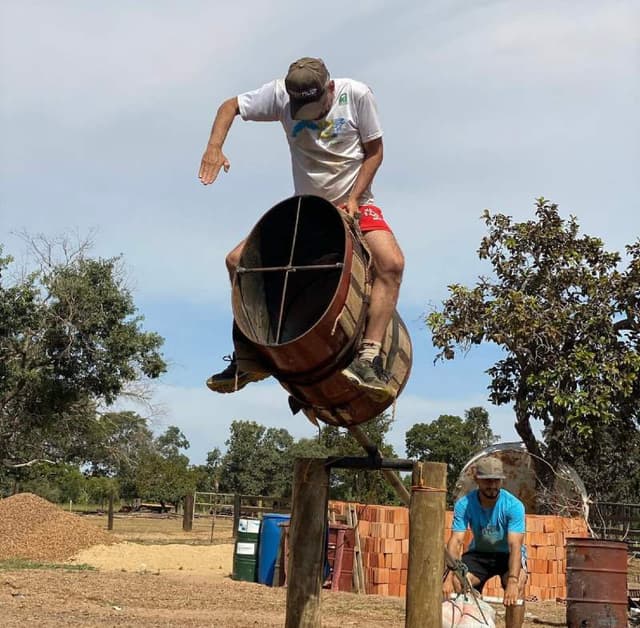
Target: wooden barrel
column 300, row 300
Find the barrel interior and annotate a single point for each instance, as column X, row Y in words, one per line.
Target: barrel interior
column 281, row 294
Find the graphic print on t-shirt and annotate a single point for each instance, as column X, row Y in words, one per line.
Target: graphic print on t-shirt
column 326, row 129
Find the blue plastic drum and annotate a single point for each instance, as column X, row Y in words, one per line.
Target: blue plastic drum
column 270, row 534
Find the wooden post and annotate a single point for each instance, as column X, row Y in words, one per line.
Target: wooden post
column 110, row 514
column 306, row 543
column 236, row 514
column 426, row 544
column 187, row 516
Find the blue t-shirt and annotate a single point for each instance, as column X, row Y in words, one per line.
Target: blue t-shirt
column 490, row 526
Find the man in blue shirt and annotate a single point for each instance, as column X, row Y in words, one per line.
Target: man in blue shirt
column 497, row 520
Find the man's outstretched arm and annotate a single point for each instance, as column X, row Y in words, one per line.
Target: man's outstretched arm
column 213, row 158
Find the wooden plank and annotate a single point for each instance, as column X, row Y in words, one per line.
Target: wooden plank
column 356, row 573
column 358, row 566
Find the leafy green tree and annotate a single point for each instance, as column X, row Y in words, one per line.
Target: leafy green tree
column 360, row 485
column 58, row 483
column 100, row 489
column 452, row 440
column 70, row 340
column 163, row 474
column 257, row 460
column 566, row 314
column 208, row 474
column 116, row 442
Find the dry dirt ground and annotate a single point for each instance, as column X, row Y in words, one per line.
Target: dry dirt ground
column 158, row 575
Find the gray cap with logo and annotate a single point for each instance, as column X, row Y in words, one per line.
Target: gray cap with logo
column 307, row 81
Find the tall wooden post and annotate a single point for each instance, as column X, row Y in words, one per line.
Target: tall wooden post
column 237, row 504
column 306, row 543
column 187, row 516
column 110, row 513
column 426, row 544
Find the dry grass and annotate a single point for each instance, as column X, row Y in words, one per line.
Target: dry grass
column 54, row 597
column 167, row 528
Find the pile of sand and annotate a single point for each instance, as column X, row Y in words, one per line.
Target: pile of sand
column 35, row 529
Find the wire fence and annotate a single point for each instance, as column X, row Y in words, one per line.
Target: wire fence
column 616, row 521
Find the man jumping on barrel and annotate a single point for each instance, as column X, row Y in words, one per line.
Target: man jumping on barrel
column 335, row 140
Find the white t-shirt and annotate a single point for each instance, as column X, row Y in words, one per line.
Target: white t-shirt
column 326, row 154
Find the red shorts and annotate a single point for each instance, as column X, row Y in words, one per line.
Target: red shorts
column 371, row 219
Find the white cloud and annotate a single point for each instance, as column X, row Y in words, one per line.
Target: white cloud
column 205, row 417
column 105, row 110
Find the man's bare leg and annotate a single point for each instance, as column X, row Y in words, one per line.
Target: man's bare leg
column 233, row 259
column 367, row 369
column 388, row 264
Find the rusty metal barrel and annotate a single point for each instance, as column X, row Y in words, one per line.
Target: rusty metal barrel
column 300, row 302
column 596, row 583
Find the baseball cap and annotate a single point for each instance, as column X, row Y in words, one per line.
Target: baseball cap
column 306, row 82
column 489, row 469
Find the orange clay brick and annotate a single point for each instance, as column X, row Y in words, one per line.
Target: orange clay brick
column 388, row 546
column 388, row 561
column 396, row 561
column 405, row 546
column 403, row 576
column 394, row 589
column 401, row 531
column 405, row 561
column 394, row 576
column 494, row 582
column 401, row 516
column 532, row 524
column 380, row 576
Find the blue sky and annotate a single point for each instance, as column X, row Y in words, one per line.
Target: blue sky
column 105, row 109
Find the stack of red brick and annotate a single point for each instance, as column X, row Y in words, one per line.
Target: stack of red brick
column 384, row 541
column 546, row 551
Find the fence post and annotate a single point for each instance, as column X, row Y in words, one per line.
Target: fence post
column 110, row 514
column 236, row 514
column 426, row 544
column 306, row 542
column 187, row 517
